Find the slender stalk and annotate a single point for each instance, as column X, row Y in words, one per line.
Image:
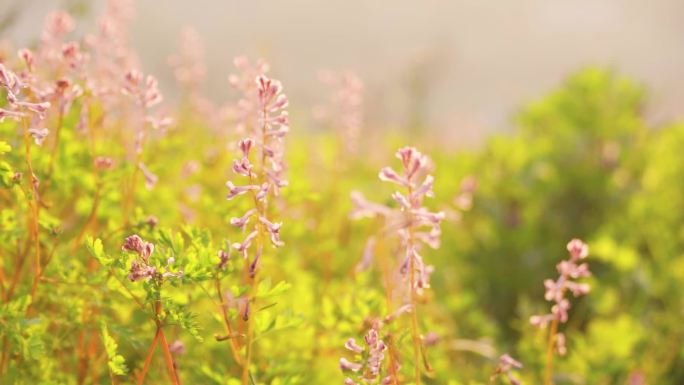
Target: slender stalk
column 250, row 331
column 55, row 144
column 548, row 368
column 385, row 267
column 254, row 281
column 415, row 334
column 235, row 349
column 90, row 219
column 170, row 366
column 33, row 206
column 148, row 360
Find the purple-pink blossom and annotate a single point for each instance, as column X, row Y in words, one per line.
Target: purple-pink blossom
column 366, row 367
column 555, row 290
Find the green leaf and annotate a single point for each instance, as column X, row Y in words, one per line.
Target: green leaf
column 96, row 249
column 4, row 147
column 265, row 290
column 117, row 364
column 183, row 318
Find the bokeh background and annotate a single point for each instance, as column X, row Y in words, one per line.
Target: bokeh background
column 459, row 67
column 545, row 121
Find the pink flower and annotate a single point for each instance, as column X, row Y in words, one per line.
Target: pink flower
column 177, row 347
column 223, row 259
column 246, row 146
column 425, row 189
column 243, row 167
column 347, row 365
column 387, row 174
column 346, row 106
column 57, row 25
column 188, row 64
column 560, row 310
column 541, row 321
column 150, row 178
column 367, row 257
column 27, row 56
column 506, row 366
column 241, row 222
column 16, row 115
column 578, row 249
column 371, row 363
column 556, row 290
column 560, row 344
column 366, row 209
column 135, row 244
column 274, row 231
column 234, row 191
column 144, row 90
column 103, row 162
column 38, row 134
column 141, row 271
column 353, row 346
column 242, row 247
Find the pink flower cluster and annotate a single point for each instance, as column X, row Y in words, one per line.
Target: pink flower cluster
column 188, row 65
column 20, row 106
column 245, row 113
column 568, row 271
column 414, row 223
column 141, row 268
column 346, row 106
column 506, row 366
column 267, row 177
column 368, row 366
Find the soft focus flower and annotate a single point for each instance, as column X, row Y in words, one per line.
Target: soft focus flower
column 345, row 107
column 506, row 366
column 568, row 270
column 104, row 162
column 150, row 178
column 135, row 244
column 38, row 134
column 368, row 366
column 177, row 347
column 223, row 259
column 188, row 65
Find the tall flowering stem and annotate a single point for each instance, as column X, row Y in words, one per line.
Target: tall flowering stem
column 145, row 93
column 415, row 225
column 345, row 107
column 21, row 107
column 265, row 179
column 568, row 271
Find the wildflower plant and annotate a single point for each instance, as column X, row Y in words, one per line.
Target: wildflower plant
column 265, row 177
column 122, row 263
column 416, row 226
column 556, row 291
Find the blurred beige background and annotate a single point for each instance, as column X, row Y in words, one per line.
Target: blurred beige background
column 461, row 67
